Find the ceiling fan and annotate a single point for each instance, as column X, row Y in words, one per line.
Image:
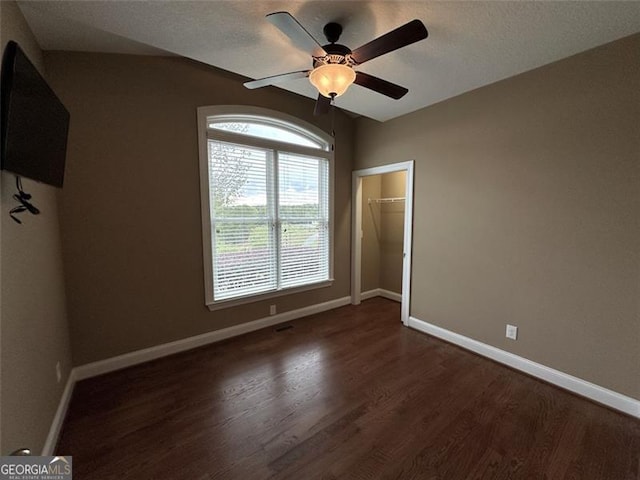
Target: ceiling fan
column 333, row 64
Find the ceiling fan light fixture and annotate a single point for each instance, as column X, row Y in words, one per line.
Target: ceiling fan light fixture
column 332, row 79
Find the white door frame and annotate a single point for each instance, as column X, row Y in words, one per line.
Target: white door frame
column 356, row 232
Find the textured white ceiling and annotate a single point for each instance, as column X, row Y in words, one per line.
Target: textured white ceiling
column 470, row 44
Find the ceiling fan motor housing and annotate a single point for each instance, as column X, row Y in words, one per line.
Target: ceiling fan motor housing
column 336, row 53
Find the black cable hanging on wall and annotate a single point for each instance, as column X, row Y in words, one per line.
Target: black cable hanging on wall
column 22, row 197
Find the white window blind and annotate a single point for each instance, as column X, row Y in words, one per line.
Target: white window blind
column 270, row 219
column 303, row 185
column 242, row 214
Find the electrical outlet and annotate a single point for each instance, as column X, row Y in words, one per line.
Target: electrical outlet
column 512, row 332
column 58, row 372
column 272, row 310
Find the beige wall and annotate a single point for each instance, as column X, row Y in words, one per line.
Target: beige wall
column 527, row 211
column 34, row 333
column 392, row 234
column 371, row 231
column 131, row 203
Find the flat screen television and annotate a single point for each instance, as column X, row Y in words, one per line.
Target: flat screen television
column 35, row 123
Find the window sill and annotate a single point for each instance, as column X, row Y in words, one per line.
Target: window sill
column 232, row 302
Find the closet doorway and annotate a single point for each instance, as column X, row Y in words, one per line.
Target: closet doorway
column 382, row 205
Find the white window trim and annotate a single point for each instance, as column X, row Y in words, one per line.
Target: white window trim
column 239, row 113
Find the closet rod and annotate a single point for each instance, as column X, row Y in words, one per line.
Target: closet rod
column 387, row 200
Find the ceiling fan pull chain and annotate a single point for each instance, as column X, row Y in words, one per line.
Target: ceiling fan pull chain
column 333, row 122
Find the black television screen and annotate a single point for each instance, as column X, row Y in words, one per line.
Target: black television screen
column 34, row 121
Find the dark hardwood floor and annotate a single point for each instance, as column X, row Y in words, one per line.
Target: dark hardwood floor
column 346, row 394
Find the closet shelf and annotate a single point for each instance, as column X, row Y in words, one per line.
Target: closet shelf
column 386, row 200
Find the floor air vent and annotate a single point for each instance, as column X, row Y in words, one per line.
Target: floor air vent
column 283, row 327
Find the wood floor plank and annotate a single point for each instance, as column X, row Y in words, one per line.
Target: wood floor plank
column 346, row 394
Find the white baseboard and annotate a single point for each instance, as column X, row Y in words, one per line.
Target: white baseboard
column 381, row 292
column 58, row 418
column 396, row 297
column 140, row 356
column 370, row 294
column 586, row 389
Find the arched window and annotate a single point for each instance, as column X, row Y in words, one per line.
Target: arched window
column 267, row 204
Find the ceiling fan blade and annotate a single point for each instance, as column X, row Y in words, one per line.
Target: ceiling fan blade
column 296, row 32
column 276, row 79
column 322, row 105
column 400, row 37
column 379, row 85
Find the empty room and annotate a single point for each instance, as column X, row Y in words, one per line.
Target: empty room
column 320, row 240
